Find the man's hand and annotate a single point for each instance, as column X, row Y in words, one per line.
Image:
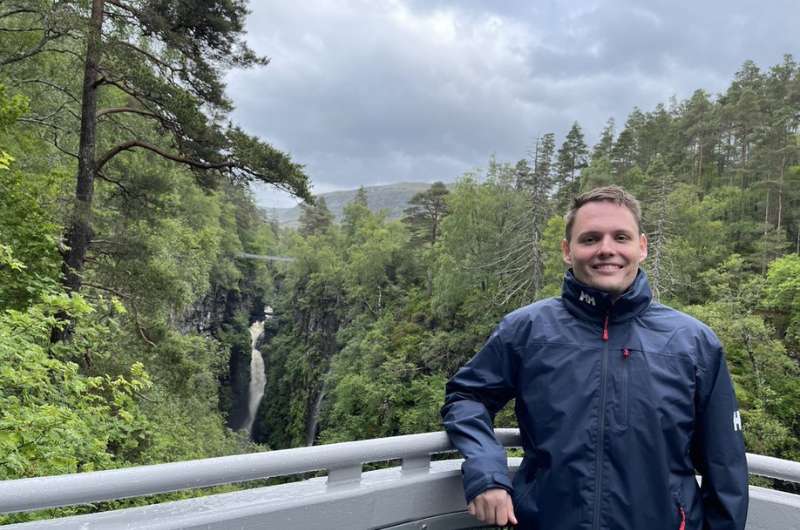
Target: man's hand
column 493, row 506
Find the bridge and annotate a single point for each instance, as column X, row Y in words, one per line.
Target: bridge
column 259, row 257
column 422, row 493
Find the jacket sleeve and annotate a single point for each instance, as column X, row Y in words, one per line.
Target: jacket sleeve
column 473, row 396
column 718, row 447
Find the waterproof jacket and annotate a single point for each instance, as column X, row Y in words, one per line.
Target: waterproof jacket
column 619, row 403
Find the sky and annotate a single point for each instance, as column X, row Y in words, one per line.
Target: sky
column 370, row 92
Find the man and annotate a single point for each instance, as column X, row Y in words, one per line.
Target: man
column 619, row 399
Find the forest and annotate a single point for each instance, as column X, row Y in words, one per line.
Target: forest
column 125, row 211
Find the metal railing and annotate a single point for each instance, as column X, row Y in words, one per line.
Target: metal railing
column 418, row 490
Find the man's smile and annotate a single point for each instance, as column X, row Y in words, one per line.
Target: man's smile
column 607, row 267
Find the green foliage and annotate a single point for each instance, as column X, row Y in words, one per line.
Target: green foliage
column 315, row 218
column 27, row 250
column 54, row 419
column 766, row 378
column 369, row 322
column 426, row 211
column 783, row 298
column 717, row 213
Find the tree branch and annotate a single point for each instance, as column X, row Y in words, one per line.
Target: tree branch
column 59, row 50
column 51, row 85
column 107, row 289
column 30, row 53
column 17, row 11
column 115, row 110
column 150, row 56
column 124, row 7
column 39, row 121
column 135, row 95
column 117, row 183
column 126, row 146
column 124, row 296
column 20, row 30
column 55, row 143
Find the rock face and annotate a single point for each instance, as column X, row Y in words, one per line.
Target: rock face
column 216, row 315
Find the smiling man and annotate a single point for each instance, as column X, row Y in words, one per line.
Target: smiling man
column 619, row 400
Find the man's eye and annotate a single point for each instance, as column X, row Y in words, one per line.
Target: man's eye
column 622, row 237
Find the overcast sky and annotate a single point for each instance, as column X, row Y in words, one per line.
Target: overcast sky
column 380, row 91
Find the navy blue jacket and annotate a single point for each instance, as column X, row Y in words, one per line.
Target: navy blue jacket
column 618, row 404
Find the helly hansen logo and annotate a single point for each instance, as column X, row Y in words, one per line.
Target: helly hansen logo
column 737, row 421
column 586, row 298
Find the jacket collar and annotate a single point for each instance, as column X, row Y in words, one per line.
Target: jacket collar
column 588, row 303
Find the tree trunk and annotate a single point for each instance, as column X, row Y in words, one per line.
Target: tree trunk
column 79, row 232
column 764, row 257
column 780, row 192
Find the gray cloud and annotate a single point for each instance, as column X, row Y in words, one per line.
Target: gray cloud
column 369, row 92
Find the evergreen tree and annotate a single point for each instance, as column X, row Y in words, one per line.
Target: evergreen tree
column 606, row 143
column 701, row 127
column 542, row 157
column 426, row 211
column 315, row 218
column 161, row 64
column 355, row 211
column 572, row 157
column 625, row 152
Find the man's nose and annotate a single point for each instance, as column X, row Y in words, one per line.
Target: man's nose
column 607, row 246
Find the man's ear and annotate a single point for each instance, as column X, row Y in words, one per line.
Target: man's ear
column 565, row 254
column 643, row 246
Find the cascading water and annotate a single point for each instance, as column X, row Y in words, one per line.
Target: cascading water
column 258, row 376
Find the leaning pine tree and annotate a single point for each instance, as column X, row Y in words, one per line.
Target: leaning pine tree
column 152, row 80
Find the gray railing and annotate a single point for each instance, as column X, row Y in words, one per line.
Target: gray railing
column 419, row 492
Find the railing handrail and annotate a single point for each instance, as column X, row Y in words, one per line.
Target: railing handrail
column 343, row 462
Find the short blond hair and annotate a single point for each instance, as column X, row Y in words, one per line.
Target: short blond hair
column 613, row 194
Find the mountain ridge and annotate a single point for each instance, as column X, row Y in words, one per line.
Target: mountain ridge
column 390, row 197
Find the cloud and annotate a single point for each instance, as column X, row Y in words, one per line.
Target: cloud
column 370, row 92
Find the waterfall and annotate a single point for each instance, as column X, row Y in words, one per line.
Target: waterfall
column 258, row 376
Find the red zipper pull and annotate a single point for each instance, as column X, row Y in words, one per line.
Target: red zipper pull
column 683, row 518
column 626, row 353
column 605, row 329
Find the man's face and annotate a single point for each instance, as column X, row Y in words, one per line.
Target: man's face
column 605, row 247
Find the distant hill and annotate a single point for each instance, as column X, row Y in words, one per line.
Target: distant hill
column 391, row 197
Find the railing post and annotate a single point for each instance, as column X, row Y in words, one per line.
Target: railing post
column 415, row 464
column 346, row 476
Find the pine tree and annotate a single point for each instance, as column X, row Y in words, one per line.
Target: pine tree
column 701, row 126
column 426, row 211
column 572, row 157
column 146, row 64
column 542, row 156
column 606, row 143
column 315, row 218
column 355, row 211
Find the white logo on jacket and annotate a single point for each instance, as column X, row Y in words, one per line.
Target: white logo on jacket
column 586, row 298
column 737, row 421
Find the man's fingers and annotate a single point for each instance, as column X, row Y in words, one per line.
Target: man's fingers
column 479, row 511
column 493, row 507
column 512, row 518
column 500, row 514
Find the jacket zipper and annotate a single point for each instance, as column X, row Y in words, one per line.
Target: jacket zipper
column 598, row 479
